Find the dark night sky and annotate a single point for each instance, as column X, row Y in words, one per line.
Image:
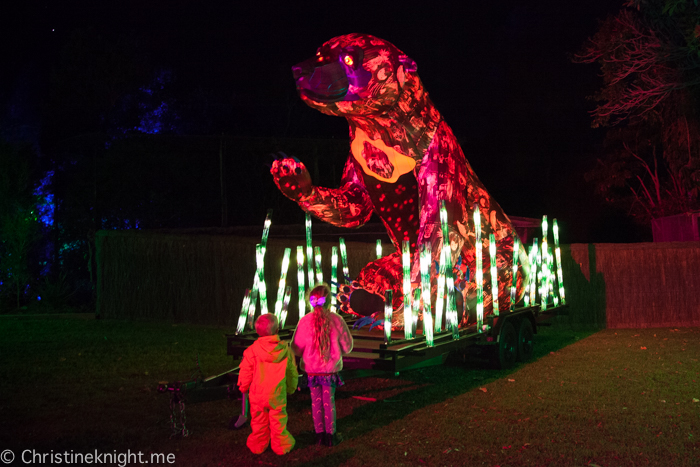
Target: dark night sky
column 499, row 72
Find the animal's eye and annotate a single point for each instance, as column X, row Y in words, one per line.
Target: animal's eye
column 348, row 60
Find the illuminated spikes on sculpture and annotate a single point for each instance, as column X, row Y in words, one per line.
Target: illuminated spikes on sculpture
column 262, row 288
column 285, row 305
column 425, row 260
column 407, row 309
column 244, row 312
column 300, row 281
column 516, row 255
column 319, row 271
column 387, row 315
column 282, row 283
column 557, row 251
column 494, row 274
column 309, row 252
column 479, row 271
column 379, row 248
column 334, row 278
column 344, row 258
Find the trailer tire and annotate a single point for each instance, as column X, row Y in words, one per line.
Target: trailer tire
column 526, row 340
column 507, row 349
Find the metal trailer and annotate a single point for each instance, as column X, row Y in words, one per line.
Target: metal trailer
column 509, row 338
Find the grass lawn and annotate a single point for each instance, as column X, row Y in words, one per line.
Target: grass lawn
column 612, row 398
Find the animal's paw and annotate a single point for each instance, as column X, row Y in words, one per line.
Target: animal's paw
column 291, row 177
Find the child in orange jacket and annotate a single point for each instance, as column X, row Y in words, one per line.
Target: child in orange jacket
column 268, row 373
column 321, row 339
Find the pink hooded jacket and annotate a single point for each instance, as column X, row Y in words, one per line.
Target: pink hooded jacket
column 303, row 345
column 268, row 372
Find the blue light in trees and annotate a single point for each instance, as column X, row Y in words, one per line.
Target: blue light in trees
column 45, row 205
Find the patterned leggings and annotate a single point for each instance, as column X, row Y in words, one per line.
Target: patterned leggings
column 323, row 408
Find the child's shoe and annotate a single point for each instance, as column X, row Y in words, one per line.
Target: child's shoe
column 333, row 439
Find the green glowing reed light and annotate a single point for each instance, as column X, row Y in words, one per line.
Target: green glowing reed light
column 557, row 251
column 407, row 308
column 425, row 259
column 319, row 271
column 379, row 248
column 516, row 255
column 266, row 230
column 285, row 305
column 262, row 288
column 451, row 301
column 442, row 268
column 282, row 283
column 344, row 258
column 535, row 271
column 300, row 281
column 479, row 271
column 388, row 308
column 309, row 252
column 544, row 264
column 415, row 311
column 494, row 275
column 334, row 278
column 252, row 306
column 244, row 312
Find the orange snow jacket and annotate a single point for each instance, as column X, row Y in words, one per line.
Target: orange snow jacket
column 268, row 372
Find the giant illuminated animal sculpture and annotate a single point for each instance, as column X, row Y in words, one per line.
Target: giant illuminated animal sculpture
column 404, row 160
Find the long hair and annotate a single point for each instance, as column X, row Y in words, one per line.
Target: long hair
column 320, row 300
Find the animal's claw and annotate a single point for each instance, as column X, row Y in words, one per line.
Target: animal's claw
column 377, row 322
column 363, row 322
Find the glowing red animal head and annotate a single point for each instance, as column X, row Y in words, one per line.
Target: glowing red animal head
column 354, row 74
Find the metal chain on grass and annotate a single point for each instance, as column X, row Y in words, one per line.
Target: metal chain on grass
column 177, row 420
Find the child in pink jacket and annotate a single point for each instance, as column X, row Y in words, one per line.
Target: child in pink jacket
column 321, row 339
column 268, row 373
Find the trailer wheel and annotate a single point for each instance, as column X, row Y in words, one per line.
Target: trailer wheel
column 507, row 350
column 526, row 340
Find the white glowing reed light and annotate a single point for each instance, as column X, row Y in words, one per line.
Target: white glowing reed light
column 407, row 308
column 557, row 251
column 544, row 264
column 388, row 308
column 266, row 230
column 344, row 258
column 300, row 281
column 425, row 259
column 244, row 312
column 285, row 305
column 514, row 272
column 379, row 248
column 442, row 268
column 494, row 275
column 415, row 311
column 334, row 278
column 309, row 252
column 534, row 271
column 262, row 288
column 319, row 271
column 282, row 283
column 479, row 271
